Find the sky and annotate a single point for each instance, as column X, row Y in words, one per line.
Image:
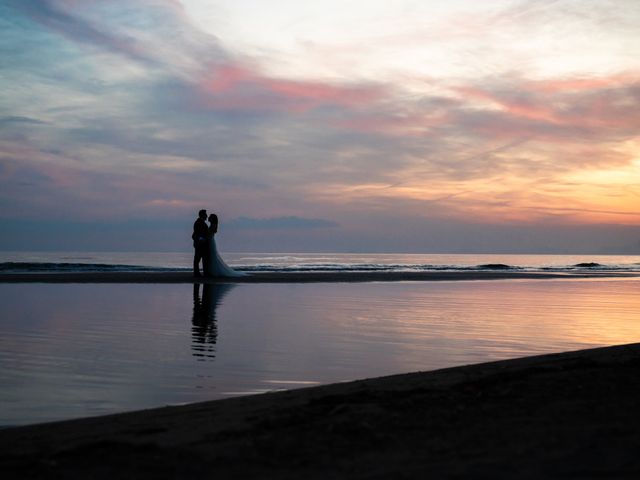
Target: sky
column 336, row 125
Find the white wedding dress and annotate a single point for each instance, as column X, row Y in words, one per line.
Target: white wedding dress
column 217, row 267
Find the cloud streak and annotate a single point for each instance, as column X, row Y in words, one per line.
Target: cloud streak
column 55, row 16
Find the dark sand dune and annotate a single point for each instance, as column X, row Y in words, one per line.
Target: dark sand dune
column 570, row 415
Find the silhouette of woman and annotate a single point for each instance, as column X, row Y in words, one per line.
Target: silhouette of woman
column 217, row 267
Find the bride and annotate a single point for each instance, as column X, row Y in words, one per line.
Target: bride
column 217, row 267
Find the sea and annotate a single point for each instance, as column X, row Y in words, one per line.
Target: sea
column 312, row 262
column 78, row 350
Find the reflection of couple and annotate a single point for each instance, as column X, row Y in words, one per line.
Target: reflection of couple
column 204, row 331
column 204, row 243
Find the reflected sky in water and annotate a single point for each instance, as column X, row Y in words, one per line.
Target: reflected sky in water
column 75, row 350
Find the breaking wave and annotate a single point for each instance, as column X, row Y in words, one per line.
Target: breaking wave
column 299, row 265
column 42, row 267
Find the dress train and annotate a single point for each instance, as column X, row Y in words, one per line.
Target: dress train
column 217, row 267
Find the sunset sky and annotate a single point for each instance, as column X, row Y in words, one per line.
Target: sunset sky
column 333, row 125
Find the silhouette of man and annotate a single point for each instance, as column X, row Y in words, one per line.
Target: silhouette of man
column 199, row 237
column 204, row 331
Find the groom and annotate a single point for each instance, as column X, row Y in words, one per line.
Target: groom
column 199, row 237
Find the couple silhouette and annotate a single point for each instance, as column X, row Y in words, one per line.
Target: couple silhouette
column 204, row 243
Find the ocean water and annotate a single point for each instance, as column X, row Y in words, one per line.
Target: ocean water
column 75, row 350
column 297, row 262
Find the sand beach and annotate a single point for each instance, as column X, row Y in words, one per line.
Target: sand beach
column 568, row 415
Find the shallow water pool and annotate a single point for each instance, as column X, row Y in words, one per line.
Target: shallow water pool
column 73, row 350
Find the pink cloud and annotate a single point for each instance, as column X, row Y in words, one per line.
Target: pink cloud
column 564, row 85
column 226, row 78
column 316, row 93
column 239, row 87
column 550, row 109
column 523, row 107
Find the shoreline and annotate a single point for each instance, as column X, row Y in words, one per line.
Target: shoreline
column 549, row 416
column 295, row 277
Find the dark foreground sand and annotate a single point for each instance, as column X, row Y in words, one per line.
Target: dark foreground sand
column 290, row 277
column 570, row 415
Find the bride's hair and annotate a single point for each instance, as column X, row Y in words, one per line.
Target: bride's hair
column 213, row 218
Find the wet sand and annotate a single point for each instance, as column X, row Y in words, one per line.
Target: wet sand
column 289, row 277
column 569, row 415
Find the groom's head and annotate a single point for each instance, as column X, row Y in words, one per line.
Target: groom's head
column 202, row 214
